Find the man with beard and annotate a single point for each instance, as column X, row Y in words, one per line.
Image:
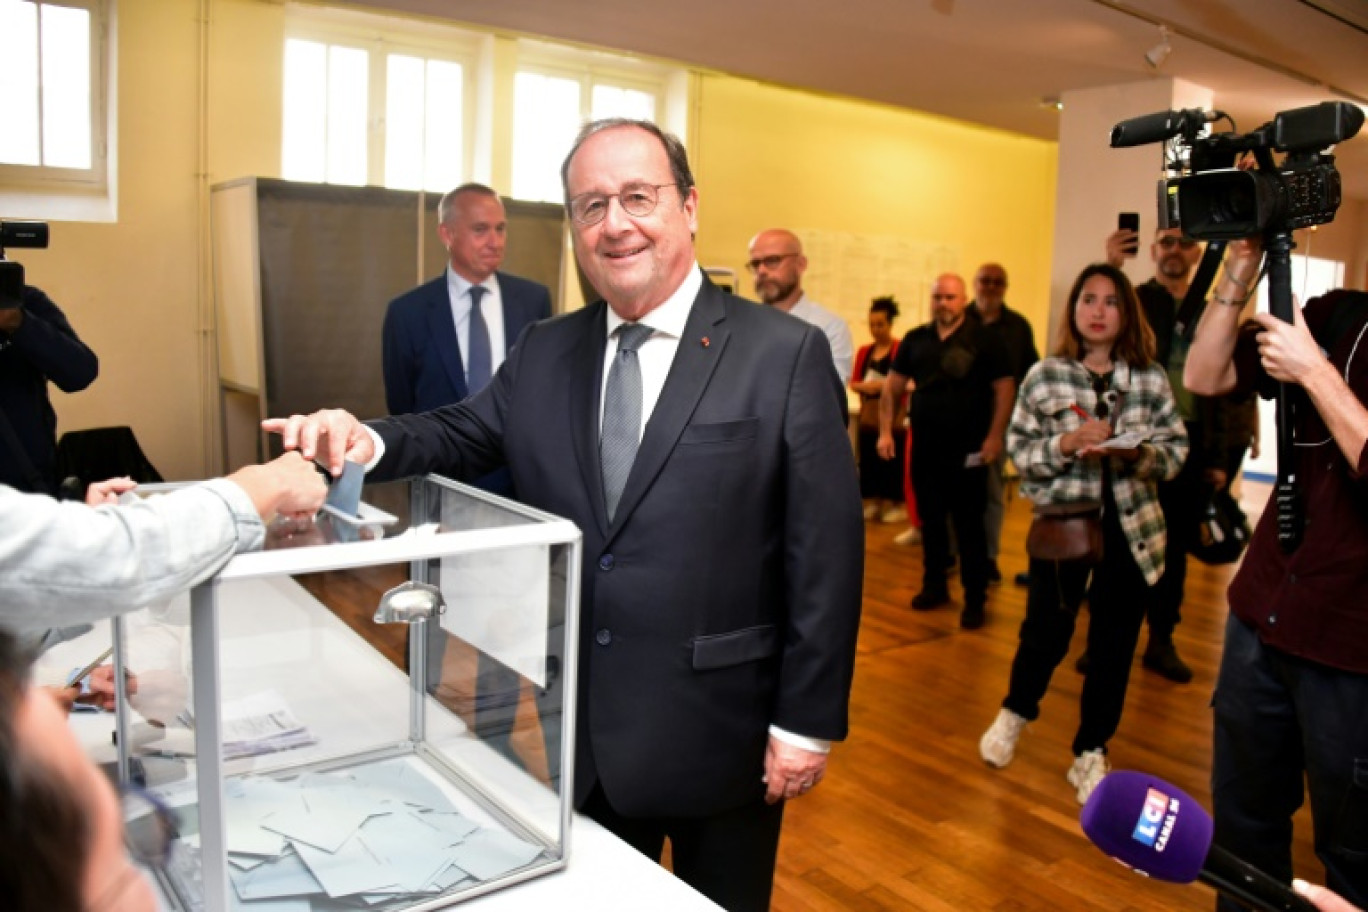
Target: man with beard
column 1182, row 498
column 962, row 393
column 990, row 305
column 778, row 264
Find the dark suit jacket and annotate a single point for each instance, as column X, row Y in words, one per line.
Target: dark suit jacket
column 422, row 362
column 725, row 596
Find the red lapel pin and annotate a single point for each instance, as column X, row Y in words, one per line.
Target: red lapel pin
column 706, row 342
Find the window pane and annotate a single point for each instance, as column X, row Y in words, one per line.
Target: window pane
column 611, row 101
column 404, row 122
column 304, row 153
column 19, row 51
column 445, row 142
column 545, row 120
column 66, row 86
column 347, row 94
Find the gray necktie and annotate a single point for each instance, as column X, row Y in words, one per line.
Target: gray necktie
column 621, row 414
column 478, row 361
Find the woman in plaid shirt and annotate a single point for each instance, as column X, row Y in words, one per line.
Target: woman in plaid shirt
column 1102, row 382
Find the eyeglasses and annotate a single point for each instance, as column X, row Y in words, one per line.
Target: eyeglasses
column 769, row 262
column 635, row 199
column 1168, row 242
column 150, row 833
column 150, row 828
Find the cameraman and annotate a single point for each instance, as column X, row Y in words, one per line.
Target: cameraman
column 1292, row 695
column 37, row 344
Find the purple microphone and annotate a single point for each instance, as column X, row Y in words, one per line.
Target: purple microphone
column 1158, row 830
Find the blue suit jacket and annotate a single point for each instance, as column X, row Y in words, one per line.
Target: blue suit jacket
column 422, row 362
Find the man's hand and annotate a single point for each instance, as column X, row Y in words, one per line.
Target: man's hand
column 1120, row 243
column 791, row 771
column 1287, row 350
column 886, row 448
column 108, row 491
column 991, row 449
column 102, row 688
column 330, row 437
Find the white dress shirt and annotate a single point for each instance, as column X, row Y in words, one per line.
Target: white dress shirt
column 835, row 329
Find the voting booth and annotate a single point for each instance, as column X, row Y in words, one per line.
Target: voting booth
column 305, row 770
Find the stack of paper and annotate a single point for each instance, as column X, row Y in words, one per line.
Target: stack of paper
column 261, row 724
column 378, row 834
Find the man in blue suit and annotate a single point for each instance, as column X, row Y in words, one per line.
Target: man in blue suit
column 429, row 331
column 699, row 442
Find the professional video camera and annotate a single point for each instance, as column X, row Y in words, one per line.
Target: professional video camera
column 1211, row 200
column 17, row 234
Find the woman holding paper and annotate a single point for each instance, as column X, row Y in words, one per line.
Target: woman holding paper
column 1095, row 423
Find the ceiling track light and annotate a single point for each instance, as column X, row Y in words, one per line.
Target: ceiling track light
column 1156, row 55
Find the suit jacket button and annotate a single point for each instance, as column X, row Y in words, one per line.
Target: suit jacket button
column 606, row 562
column 603, row 637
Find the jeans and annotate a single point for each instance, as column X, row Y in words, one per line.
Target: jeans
column 1279, row 718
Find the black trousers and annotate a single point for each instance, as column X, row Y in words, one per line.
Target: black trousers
column 1117, row 595
column 1285, row 729
column 945, row 489
column 728, row 857
column 1181, row 499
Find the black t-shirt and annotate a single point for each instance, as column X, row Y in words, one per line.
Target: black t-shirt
column 952, row 400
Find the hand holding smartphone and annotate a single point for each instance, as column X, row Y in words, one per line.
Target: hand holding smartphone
column 1130, row 221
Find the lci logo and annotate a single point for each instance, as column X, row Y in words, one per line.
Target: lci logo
column 1156, row 820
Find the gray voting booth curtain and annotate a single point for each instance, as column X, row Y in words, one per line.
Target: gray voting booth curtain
column 333, row 257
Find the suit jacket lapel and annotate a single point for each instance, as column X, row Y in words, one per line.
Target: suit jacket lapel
column 700, row 348
column 585, row 382
column 442, row 327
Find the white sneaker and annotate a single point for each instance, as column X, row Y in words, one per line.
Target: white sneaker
column 998, row 744
column 894, row 514
column 912, row 536
column 1087, row 770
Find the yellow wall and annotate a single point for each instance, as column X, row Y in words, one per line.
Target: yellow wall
column 772, row 157
column 763, row 155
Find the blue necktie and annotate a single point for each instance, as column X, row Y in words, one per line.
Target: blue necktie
column 478, row 360
column 621, row 434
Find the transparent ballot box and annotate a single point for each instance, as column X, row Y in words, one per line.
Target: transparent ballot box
column 374, row 712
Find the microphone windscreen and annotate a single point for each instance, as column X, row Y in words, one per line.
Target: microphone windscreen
column 1148, row 825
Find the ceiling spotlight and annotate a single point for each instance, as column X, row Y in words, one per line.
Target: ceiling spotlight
column 1053, row 102
column 1156, row 55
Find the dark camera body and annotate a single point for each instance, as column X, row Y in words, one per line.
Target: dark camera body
column 1212, row 200
column 1230, row 204
column 17, row 234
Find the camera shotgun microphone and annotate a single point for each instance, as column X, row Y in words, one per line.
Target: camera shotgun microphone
column 1152, row 128
column 1159, row 831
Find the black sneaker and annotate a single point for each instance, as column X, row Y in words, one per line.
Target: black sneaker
column 994, row 574
column 1083, row 664
column 1163, row 659
column 972, row 617
column 1022, row 579
column 930, row 598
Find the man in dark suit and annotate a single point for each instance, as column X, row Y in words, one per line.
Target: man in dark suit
column 428, row 331
column 722, row 559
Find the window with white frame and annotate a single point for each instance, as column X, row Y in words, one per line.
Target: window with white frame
column 372, row 100
column 54, row 132
column 552, row 99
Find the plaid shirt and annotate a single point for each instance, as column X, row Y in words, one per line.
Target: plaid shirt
column 1044, row 414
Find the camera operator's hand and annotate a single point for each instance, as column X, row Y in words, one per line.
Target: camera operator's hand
column 1288, row 351
column 108, row 491
column 11, row 318
column 1242, row 261
column 1121, row 244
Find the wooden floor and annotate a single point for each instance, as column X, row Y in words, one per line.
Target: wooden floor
column 909, row 817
